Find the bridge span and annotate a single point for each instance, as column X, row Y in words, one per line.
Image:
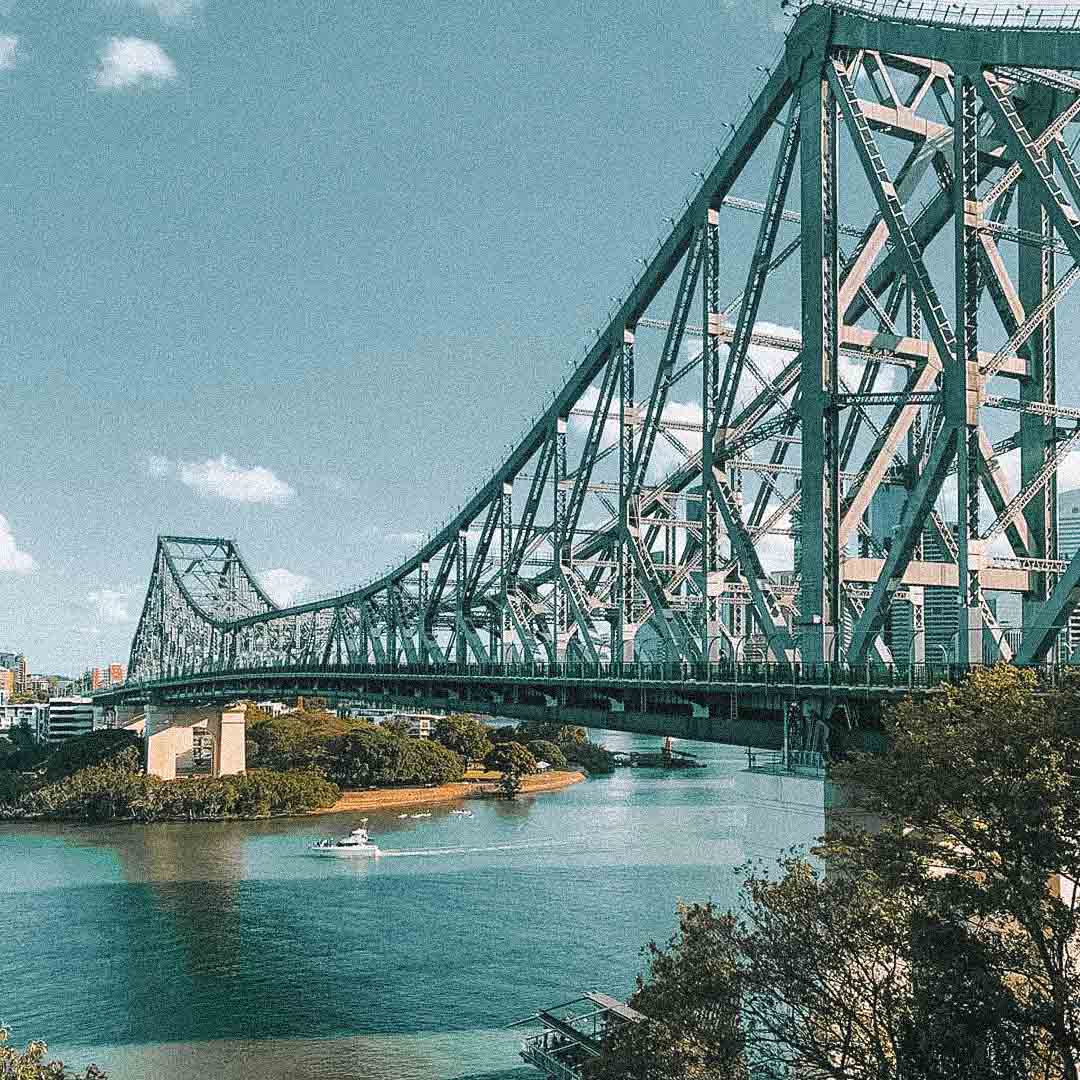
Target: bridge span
column 817, row 443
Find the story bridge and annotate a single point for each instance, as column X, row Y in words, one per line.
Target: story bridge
column 718, row 515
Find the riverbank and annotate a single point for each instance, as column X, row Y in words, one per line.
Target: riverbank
column 389, row 798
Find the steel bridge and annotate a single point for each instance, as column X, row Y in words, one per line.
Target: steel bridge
column 717, row 513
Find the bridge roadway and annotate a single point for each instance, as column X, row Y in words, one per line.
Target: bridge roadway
column 742, row 704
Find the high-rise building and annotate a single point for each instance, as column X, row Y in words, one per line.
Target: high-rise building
column 1068, row 524
column 22, row 675
column 7, row 685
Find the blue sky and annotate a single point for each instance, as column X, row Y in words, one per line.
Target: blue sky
column 297, row 272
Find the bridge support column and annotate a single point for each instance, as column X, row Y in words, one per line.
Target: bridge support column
column 170, row 733
column 229, row 729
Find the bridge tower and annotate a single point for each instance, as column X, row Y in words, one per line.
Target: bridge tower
column 823, row 426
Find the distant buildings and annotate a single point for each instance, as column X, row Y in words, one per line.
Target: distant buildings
column 102, row 678
column 67, row 717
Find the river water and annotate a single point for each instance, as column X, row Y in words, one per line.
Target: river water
column 221, row 950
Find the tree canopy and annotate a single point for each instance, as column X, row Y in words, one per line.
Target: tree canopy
column 31, row 1063
column 371, row 757
column 464, row 735
column 943, row 945
column 543, row 750
column 511, row 757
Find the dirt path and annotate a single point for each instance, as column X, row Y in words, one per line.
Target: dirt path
column 387, row 798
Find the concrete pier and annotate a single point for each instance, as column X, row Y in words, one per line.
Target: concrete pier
column 170, row 734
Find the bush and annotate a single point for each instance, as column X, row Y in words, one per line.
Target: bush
column 543, row 750
column 370, row 757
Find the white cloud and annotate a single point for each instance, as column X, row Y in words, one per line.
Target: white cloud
column 407, row 538
column 169, row 10
column 130, row 62
column 157, row 465
column 111, row 606
column 9, row 51
column 12, row 560
column 224, row 478
column 283, row 586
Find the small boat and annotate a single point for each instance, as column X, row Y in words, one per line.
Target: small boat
column 462, row 813
column 356, row 844
column 426, row 813
column 400, row 816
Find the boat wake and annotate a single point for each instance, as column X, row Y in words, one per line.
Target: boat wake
column 524, row 845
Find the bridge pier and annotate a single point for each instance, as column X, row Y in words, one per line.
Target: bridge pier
column 170, row 733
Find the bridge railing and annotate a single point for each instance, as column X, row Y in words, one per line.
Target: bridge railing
column 938, row 13
column 770, row 674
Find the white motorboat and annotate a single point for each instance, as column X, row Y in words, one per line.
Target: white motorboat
column 426, row 814
column 462, row 813
column 357, row 845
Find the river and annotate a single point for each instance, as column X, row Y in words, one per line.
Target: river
column 221, row 950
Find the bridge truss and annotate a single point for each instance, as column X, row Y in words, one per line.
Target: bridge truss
column 707, row 483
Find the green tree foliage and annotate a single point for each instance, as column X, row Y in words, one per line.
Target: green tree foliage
column 464, row 735
column 22, row 752
column 543, row 750
column 372, row 757
column 30, row 1064
column 939, row 947
column 119, row 791
column 94, row 748
column 297, row 740
column 559, row 734
column 511, row 757
column 592, row 757
column 692, row 991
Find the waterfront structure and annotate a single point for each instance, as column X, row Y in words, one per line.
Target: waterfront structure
column 67, row 717
column 33, row 715
column 417, row 724
column 573, row 1034
column 748, row 544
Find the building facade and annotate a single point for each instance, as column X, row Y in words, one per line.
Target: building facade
column 68, row 717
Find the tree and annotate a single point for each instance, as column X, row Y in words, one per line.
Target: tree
column 691, row 997
column 464, row 735
column 511, row 757
column 543, row 750
column 296, row 740
column 982, row 784
column 371, row 757
column 94, row 748
column 30, row 1064
column 941, row 946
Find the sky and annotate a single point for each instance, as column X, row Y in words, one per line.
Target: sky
column 296, row 273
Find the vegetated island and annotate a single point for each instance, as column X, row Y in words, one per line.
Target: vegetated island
column 299, row 762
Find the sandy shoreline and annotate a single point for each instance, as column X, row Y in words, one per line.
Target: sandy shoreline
column 388, row 798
